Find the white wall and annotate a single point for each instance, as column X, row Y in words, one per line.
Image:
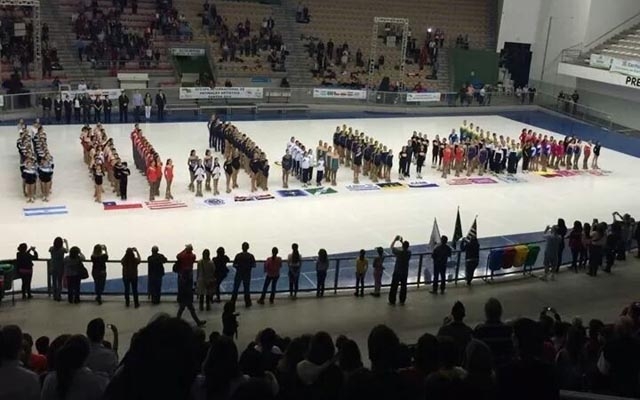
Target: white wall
column 568, row 28
column 519, row 21
column 604, row 15
column 617, row 101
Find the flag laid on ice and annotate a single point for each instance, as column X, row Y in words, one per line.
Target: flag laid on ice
column 434, row 240
column 457, row 232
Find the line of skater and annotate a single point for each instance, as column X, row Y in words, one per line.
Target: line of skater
column 36, row 162
column 240, row 152
column 475, row 152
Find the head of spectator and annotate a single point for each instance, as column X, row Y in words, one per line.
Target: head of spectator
column 383, row 345
column 528, row 338
column 447, row 353
column 478, row 359
column 321, row 349
column 426, row 354
column 221, row 367
column 458, row 312
column 96, row 330
column 349, row 357
column 70, row 358
column 245, row 247
column 42, row 345
column 161, row 363
column 493, row 311
column 54, row 347
column 11, row 345
column 295, row 353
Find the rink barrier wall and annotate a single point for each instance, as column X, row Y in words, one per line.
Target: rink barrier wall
column 341, row 273
column 298, row 102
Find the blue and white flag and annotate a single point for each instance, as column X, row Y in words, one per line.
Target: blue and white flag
column 51, row 210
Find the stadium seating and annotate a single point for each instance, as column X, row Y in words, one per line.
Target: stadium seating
column 626, row 45
column 134, row 23
column 352, row 22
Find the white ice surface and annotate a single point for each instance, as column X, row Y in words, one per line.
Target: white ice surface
column 345, row 221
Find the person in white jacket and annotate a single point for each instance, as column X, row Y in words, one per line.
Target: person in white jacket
column 305, row 165
column 319, row 172
column 215, row 174
column 200, row 174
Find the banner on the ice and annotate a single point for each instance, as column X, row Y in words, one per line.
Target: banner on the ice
column 194, row 93
column 422, row 97
column 112, row 93
column 187, row 52
column 340, row 94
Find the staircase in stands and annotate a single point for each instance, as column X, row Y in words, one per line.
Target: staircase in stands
column 298, row 72
column 62, row 37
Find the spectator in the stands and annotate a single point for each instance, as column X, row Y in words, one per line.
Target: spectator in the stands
column 527, row 376
column 101, row 358
column 620, row 359
column 425, row 361
column 455, row 328
column 495, row 333
column 34, row 361
column 382, row 381
column 161, row 363
column 318, row 374
column 480, row 382
column 16, row 382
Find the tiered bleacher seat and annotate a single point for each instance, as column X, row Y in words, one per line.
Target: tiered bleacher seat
column 135, row 23
column 351, row 22
column 11, row 49
column 624, row 45
column 234, row 13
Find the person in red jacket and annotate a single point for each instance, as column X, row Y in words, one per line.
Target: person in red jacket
column 447, row 155
column 184, row 269
column 152, row 177
column 168, row 177
column 459, row 157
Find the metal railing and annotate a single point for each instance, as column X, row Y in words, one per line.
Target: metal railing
column 340, row 274
column 272, row 95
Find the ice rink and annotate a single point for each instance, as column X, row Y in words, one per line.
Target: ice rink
column 340, row 222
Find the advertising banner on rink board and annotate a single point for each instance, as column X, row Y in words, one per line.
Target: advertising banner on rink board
column 626, row 67
column 340, row 94
column 186, row 52
column 422, row 97
column 193, row 93
column 112, row 93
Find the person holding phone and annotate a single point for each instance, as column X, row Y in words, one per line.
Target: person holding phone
column 99, row 259
column 24, row 265
column 130, row 263
column 56, row 265
column 400, row 270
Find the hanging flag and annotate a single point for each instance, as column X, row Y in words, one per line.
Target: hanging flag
column 457, row 232
column 473, row 231
column 435, row 235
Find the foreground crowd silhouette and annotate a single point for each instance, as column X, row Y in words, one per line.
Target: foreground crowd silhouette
column 169, row 359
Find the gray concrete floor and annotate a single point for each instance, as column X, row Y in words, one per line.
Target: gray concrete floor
column 571, row 294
